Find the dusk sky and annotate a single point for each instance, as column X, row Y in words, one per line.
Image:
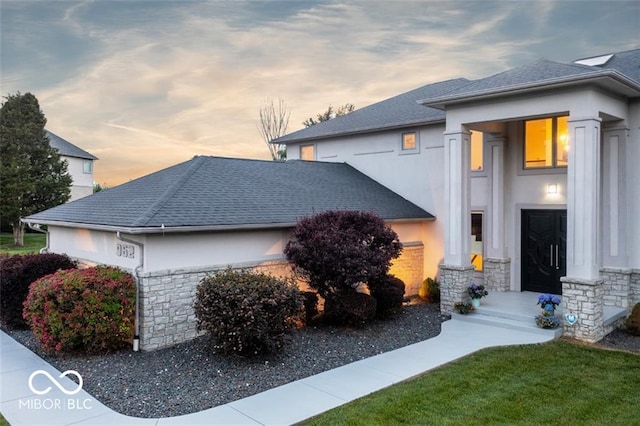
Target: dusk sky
column 147, row 84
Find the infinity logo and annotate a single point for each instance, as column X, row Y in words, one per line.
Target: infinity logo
column 55, row 382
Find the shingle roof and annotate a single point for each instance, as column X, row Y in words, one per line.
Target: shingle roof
column 67, row 148
column 542, row 73
column 398, row 111
column 628, row 63
column 221, row 193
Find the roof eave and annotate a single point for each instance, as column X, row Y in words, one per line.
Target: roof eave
column 443, row 102
column 186, row 229
column 363, row 131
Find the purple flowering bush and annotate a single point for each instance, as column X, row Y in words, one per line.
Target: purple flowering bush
column 477, row 291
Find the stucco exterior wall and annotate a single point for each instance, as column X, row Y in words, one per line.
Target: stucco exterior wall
column 82, row 182
column 418, row 177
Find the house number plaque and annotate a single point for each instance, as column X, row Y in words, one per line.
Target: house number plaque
column 125, row 250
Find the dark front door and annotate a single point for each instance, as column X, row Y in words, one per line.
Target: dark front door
column 544, row 250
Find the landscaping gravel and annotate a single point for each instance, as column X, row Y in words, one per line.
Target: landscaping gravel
column 188, row 378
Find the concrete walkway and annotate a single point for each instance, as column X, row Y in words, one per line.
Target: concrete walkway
column 284, row 405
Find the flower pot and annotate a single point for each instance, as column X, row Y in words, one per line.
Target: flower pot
column 475, row 302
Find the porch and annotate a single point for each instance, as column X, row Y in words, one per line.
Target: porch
column 516, row 311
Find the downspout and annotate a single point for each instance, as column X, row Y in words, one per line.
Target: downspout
column 136, row 279
column 36, row 227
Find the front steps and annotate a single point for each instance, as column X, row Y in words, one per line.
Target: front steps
column 510, row 320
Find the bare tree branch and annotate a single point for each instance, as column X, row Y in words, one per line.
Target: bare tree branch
column 274, row 120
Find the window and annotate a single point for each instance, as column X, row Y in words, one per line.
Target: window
column 307, row 152
column 477, row 138
column 546, row 142
column 476, row 241
column 409, row 141
column 87, row 166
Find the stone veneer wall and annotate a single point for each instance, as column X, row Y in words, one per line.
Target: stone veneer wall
column 454, row 281
column 497, row 274
column 616, row 287
column 585, row 299
column 166, row 297
column 635, row 287
column 166, row 302
column 409, row 267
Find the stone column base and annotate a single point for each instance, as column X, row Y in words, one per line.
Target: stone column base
column 635, row 287
column 497, row 274
column 617, row 287
column 583, row 298
column 454, row 281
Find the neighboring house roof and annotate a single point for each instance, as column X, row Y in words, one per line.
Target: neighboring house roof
column 67, row 148
column 396, row 112
column 210, row 193
column 620, row 73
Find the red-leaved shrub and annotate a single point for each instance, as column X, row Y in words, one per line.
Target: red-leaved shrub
column 87, row 310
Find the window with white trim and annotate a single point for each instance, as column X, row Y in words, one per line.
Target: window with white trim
column 87, row 166
column 307, row 152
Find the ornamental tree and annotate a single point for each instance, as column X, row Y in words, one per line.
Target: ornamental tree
column 32, row 176
column 338, row 250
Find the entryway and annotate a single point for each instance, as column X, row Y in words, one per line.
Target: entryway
column 544, row 250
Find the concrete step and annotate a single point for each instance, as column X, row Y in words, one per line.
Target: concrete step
column 521, row 322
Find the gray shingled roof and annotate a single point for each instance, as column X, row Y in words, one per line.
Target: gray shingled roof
column 67, row 148
column 628, row 63
column 228, row 193
column 396, row 112
column 540, row 74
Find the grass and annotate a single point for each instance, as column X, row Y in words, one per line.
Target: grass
column 559, row 383
column 32, row 243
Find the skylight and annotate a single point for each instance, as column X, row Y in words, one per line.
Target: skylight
column 595, row 61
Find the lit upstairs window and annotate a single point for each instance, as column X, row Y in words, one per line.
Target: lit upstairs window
column 546, row 143
column 307, row 152
column 477, row 139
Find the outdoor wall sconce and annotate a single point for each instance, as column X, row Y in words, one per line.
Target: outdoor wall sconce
column 552, row 189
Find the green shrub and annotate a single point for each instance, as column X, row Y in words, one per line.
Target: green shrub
column 350, row 308
column 245, row 312
column 633, row 322
column 87, row 310
column 16, row 275
column 389, row 294
column 433, row 290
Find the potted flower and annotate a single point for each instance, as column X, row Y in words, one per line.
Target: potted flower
column 476, row 292
column 547, row 318
column 548, row 303
column 463, row 308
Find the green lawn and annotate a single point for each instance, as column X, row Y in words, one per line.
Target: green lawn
column 32, row 243
column 558, row 383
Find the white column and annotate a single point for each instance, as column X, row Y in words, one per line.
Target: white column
column 496, row 238
column 614, row 206
column 583, row 198
column 457, row 179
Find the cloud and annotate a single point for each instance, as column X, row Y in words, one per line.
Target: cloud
column 149, row 84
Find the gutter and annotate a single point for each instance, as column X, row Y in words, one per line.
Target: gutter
column 136, row 279
column 195, row 228
column 36, row 227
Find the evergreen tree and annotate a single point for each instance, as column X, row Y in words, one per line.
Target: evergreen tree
column 32, row 176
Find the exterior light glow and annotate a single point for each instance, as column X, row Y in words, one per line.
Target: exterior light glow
column 552, row 188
